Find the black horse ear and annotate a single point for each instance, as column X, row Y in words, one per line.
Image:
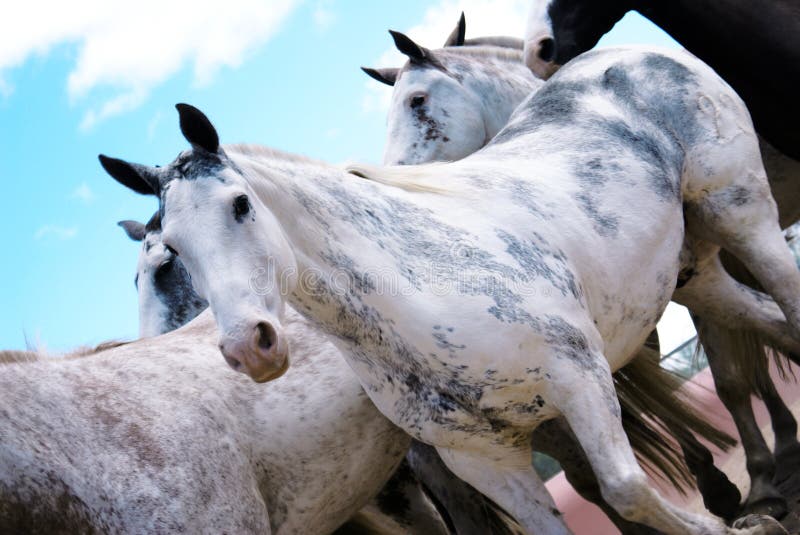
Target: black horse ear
column 459, row 33
column 384, row 76
column 133, row 229
column 197, row 129
column 408, row 47
column 139, row 178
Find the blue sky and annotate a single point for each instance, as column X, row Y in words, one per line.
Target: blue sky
column 284, row 74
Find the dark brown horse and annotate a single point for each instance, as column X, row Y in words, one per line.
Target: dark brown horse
column 755, row 47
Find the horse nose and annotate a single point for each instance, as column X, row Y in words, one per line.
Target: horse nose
column 547, row 50
column 540, row 55
column 265, row 335
column 263, row 355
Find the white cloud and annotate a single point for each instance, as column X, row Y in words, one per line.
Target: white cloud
column 134, row 46
column 323, row 16
column 499, row 17
column 83, row 193
column 62, row 233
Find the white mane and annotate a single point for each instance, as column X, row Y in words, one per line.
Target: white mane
column 255, row 158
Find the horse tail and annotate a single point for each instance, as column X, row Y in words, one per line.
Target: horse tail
column 654, row 410
column 500, row 522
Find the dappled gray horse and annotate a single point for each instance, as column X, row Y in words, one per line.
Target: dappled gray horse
column 544, row 296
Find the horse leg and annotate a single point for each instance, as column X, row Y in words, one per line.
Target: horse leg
column 582, row 389
column 644, row 387
column 466, row 508
column 735, row 393
column 555, row 438
column 510, row 480
column 720, row 496
column 784, row 425
column 737, row 212
column 712, row 293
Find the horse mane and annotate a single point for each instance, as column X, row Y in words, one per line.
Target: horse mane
column 406, row 177
column 487, row 51
column 496, row 40
column 254, row 150
column 13, row 356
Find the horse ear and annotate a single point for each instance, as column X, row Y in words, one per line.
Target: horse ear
column 197, row 129
column 133, row 229
column 384, row 76
column 139, row 178
column 408, row 47
column 457, row 36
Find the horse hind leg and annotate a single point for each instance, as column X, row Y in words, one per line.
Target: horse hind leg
column 727, row 201
column 555, row 438
column 644, row 388
column 784, row 425
column 712, row 293
column 510, row 481
column 734, row 390
column 466, row 509
column 593, row 413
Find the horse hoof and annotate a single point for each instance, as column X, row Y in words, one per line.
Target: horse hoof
column 776, row 507
column 760, row 525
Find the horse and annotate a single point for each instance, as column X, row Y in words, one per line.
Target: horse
column 505, row 317
column 448, row 92
column 484, row 84
column 559, row 30
column 149, row 436
column 167, row 301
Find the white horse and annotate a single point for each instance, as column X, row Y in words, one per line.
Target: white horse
column 167, row 301
column 445, row 84
column 485, row 84
column 521, row 291
column 150, row 437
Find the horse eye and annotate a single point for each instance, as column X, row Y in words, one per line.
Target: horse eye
column 241, row 207
column 417, row 101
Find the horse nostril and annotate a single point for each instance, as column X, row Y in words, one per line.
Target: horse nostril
column 547, row 49
column 233, row 363
column 267, row 336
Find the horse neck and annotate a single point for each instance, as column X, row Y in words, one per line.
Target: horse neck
column 714, row 30
column 500, row 84
column 313, row 203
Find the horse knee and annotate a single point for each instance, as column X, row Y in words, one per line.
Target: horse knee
column 628, row 495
